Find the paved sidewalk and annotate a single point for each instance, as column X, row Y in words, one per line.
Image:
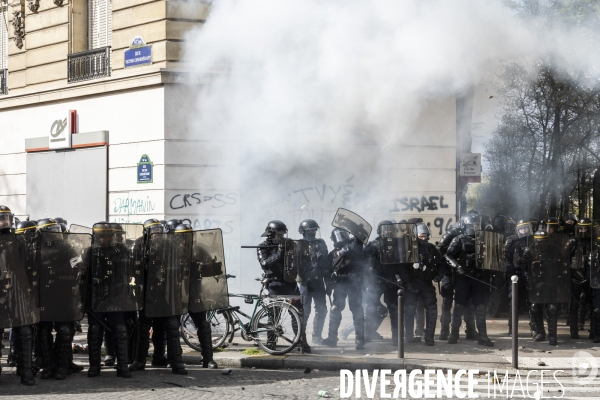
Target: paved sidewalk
column 382, row 354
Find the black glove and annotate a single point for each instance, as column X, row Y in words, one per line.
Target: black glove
column 460, row 270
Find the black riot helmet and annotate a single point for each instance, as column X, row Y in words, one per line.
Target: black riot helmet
column 151, row 226
column 48, row 225
column 499, row 223
column 534, row 223
column 103, row 234
column 339, row 237
column 423, row 229
column 275, row 229
column 182, row 228
column 524, row 228
column 6, row 219
column 164, row 225
column 486, row 222
column 584, row 228
column 551, row 225
column 511, row 226
column 470, row 224
column 63, row 224
column 385, row 228
column 473, row 212
column 172, row 224
column 308, row 229
column 119, row 232
column 541, row 235
column 26, row 228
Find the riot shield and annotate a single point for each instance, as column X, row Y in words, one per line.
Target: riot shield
column 549, row 279
column 208, row 274
column 595, row 256
column 489, row 250
column 352, row 223
column 74, row 228
column 18, row 287
column 297, row 259
column 168, row 274
column 62, row 269
column 398, row 244
column 117, row 268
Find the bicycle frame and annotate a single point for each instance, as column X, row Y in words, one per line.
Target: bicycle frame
column 238, row 321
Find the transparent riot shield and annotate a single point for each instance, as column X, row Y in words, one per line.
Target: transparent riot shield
column 489, row 250
column 63, row 260
column 549, row 278
column 168, row 274
column 117, row 268
column 594, row 273
column 297, row 259
column 398, row 244
column 18, row 288
column 208, row 274
column 74, row 228
column 352, row 223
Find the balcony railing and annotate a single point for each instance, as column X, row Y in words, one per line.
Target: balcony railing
column 3, row 81
column 91, row 64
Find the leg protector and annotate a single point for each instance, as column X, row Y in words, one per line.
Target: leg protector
column 470, row 330
column 596, row 325
column 94, row 338
column 481, row 326
column 139, row 364
column 205, row 337
column 174, row 346
column 457, row 316
column 26, row 354
column 63, row 350
column 420, row 318
column 574, row 319
column 121, row 343
column 158, row 343
column 47, row 350
column 537, row 319
column 109, row 360
column 446, row 318
column 552, row 310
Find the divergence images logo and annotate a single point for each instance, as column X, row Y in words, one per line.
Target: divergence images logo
column 584, row 364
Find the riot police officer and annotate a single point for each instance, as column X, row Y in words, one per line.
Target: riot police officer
column 345, row 277
column 103, row 244
column 169, row 324
column 271, row 255
column 311, row 285
column 515, row 261
column 22, row 335
column 500, row 225
column 419, row 285
column 375, row 286
column 581, row 252
column 461, row 257
column 447, row 288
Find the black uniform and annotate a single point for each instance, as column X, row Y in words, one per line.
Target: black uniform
column 346, row 277
column 461, row 257
column 271, row 261
column 581, row 292
column 515, row 250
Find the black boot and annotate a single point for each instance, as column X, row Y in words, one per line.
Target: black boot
column 470, row 331
column 63, row 353
column 45, row 334
column 596, row 325
column 94, row 337
column 158, row 343
column 457, row 315
column 583, row 302
column 359, row 330
column 409, row 322
column 335, row 318
column 481, row 326
column 445, row 319
column 174, row 346
column 205, row 338
column 139, row 364
column 573, row 319
column 552, row 324
column 121, row 342
column 109, row 360
column 420, row 319
column 26, row 355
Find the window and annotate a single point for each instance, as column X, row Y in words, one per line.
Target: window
column 100, row 23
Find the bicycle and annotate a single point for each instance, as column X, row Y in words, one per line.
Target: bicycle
column 268, row 326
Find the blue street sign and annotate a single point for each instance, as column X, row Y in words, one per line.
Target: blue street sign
column 135, row 57
column 144, row 170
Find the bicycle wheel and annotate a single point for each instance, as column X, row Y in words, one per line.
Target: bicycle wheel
column 220, row 326
column 276, row 327
column 189, row 332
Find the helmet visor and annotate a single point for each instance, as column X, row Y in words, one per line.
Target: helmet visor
column 5, row 220
column 340, row 236
column 524, row 230
column 584, row 231
column 386, row 230
column 158, row 228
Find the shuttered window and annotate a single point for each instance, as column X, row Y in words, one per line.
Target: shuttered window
column 3, row 34
column 100, row 23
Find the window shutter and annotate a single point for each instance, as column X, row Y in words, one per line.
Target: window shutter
column 100, row 23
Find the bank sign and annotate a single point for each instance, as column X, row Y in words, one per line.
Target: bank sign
column 144, row 170
column 138, row 54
